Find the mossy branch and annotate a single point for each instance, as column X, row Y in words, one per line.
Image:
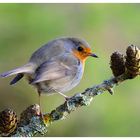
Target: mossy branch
column 31, row 123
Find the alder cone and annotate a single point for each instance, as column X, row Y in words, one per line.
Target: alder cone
column 8, row 122
column 132, row 61
column 117, row 64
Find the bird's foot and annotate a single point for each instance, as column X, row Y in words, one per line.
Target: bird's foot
column 41, row 115
column 67, row 98
column 109, row 87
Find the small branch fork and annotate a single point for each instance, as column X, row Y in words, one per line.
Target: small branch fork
column 30, row 122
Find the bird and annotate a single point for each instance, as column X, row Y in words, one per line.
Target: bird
column 56, row 67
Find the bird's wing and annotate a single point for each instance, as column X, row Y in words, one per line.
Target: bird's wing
column 48, row 51
column 58, row 67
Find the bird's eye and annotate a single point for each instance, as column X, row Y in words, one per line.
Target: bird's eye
column 80, row 49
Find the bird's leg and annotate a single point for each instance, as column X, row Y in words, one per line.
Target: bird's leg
column 39, row 101
column 66, row 97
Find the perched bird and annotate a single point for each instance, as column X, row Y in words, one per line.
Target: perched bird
column 56, row 67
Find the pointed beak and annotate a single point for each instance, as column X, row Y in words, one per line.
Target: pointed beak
column 93, row 55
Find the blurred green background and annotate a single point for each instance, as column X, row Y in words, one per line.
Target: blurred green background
column 107, row 28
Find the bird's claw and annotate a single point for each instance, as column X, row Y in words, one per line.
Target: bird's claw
column 67, row 98
column 41, row 115
column 109, row 88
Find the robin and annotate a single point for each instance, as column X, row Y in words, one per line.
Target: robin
column 56, row 67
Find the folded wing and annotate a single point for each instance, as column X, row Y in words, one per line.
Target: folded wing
column 56, row 68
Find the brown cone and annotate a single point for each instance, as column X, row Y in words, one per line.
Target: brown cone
column 117, row 64
column 8, row 122
column 132, row 61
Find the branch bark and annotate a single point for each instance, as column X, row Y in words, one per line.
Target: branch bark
column 31, row 123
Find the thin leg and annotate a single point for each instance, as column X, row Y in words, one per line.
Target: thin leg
column 66, row 97
column 39, row 101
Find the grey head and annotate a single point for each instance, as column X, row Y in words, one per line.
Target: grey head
column 79, row 45
column 75, row 42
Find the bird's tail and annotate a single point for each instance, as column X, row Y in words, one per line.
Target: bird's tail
column 28, row 68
